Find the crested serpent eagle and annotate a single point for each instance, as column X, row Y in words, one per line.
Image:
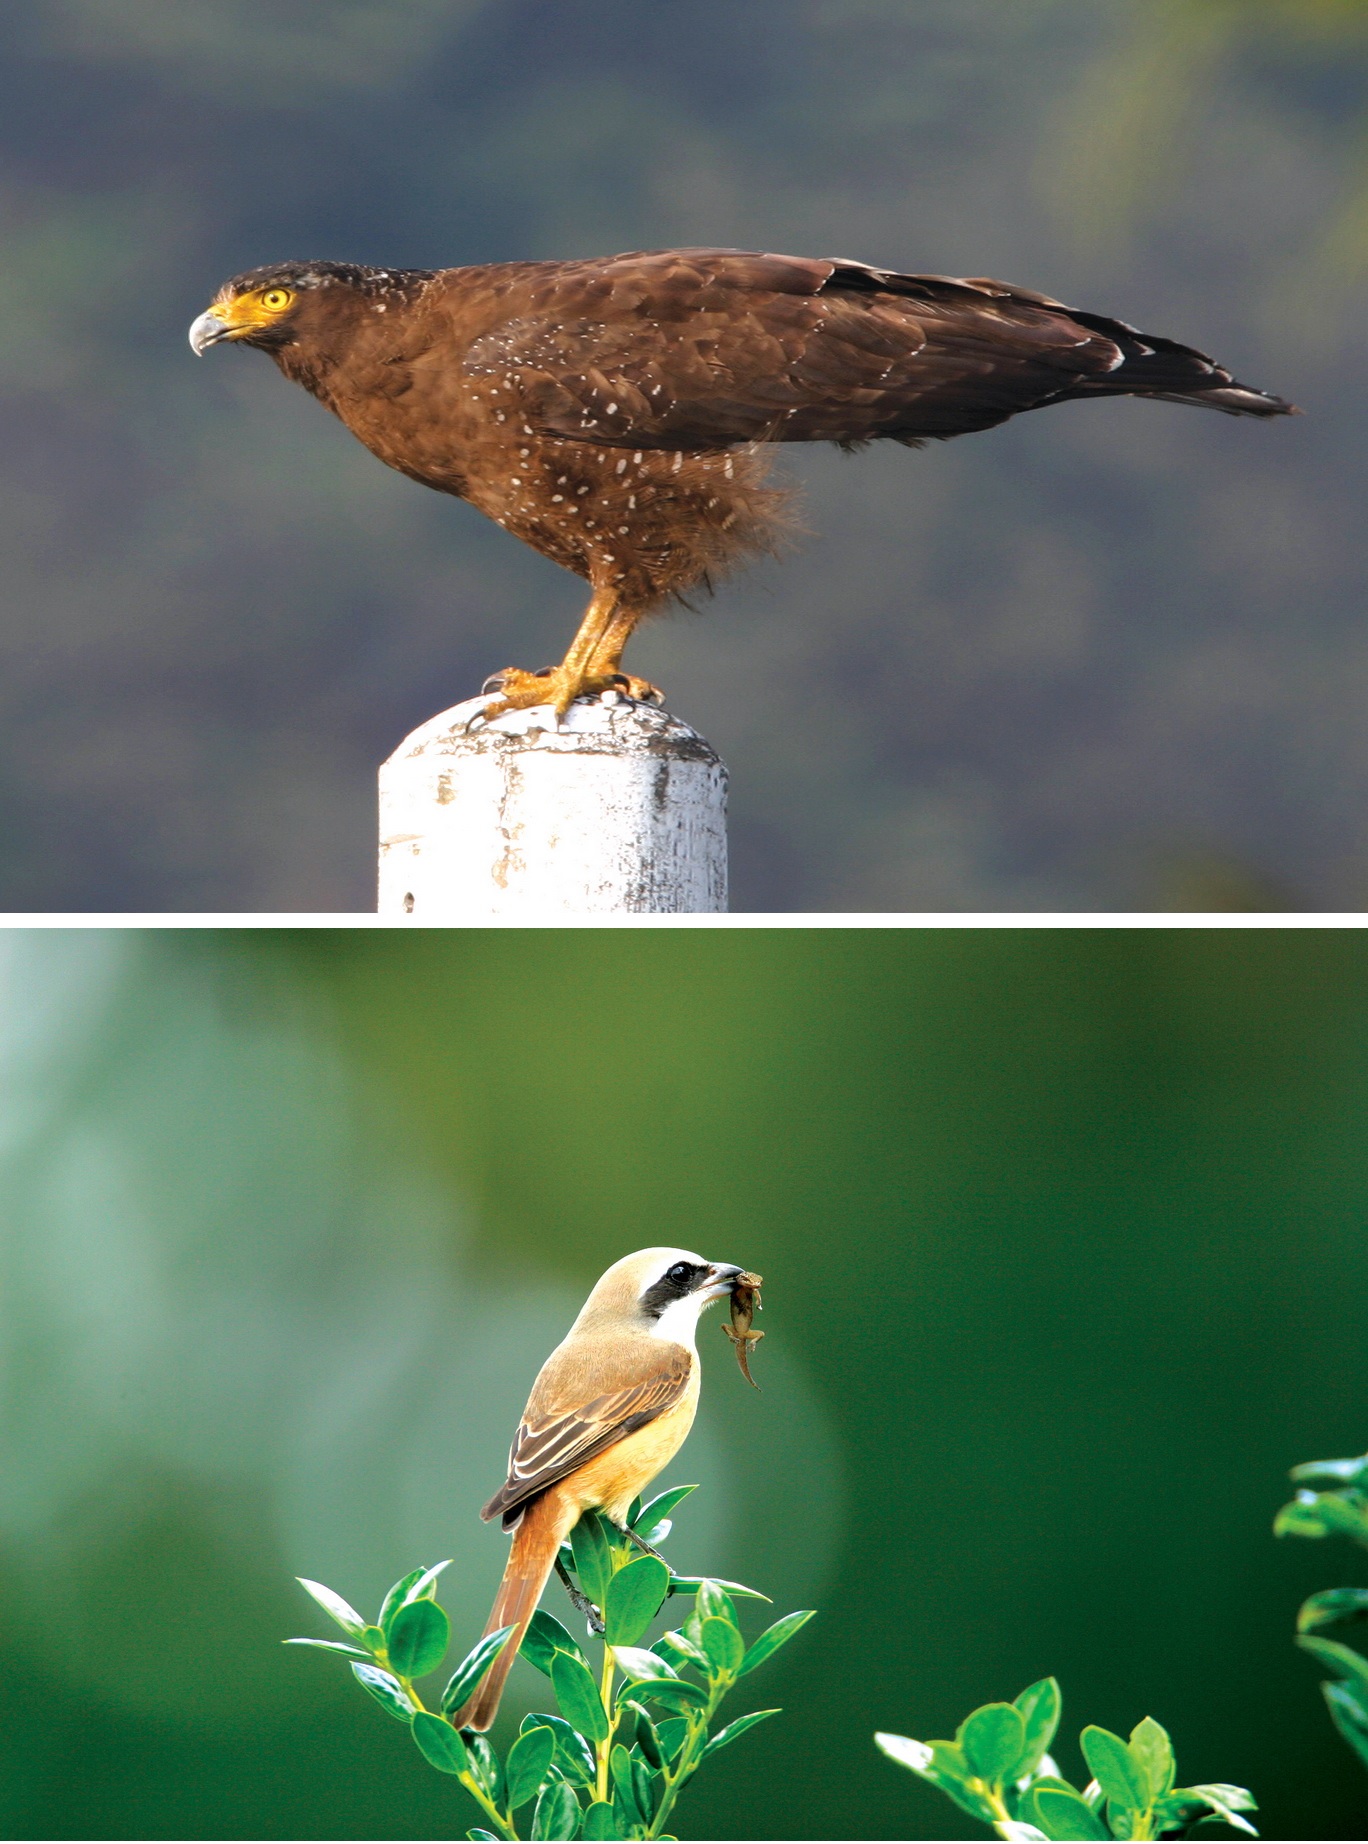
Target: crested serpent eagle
column 617, row 414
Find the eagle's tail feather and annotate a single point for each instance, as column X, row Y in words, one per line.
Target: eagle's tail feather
column 536, row 1541
column 1150, row 366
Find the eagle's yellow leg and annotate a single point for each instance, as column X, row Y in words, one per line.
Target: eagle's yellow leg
column 589, row 667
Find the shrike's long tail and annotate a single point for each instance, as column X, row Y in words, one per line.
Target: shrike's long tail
column 545, row 1524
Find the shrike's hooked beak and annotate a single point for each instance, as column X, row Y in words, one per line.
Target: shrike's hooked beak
column 207, row 331
column 722, row 1277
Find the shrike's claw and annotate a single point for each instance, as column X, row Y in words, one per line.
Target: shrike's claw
column 582, row 1602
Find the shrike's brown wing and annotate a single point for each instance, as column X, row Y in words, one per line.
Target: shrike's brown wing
column 551, row 1445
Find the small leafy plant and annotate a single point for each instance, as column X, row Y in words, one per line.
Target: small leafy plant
column 1339, row 1508
column 999, row 1769
column 630, row 1734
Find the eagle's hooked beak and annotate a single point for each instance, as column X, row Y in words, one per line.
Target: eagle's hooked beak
column 207, row 331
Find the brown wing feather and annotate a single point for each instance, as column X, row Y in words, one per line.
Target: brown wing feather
column 548, row 1447
column 700, row 349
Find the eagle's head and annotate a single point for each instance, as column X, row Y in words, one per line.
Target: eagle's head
column 287, row 304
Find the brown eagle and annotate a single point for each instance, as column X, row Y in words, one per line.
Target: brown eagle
column 617, row 414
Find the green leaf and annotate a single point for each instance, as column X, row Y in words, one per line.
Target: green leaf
column 675, row 1649
column 439, row 1743
column 593, row 1556
column 334, row 1606
column 395, row 1598
column 723, row 1644
column 662, row 1504
column 634, row 1596
column 733, row 1729
column 574, row 1756
column 1301, row 1518
column 674, row 1693
column 645, row 1792
column 940, row 1764
column 1330, row 1606
column 1221, row 1793
column 1346, row 1472
column 578, row 1697
column 714, row 1603
column 486, row 1766
column 1061, row 1813
column 1040, row 1705
column 625, row 1816
column 388, row 1692
column 772, row 1638
column 599, row 1821
column 528, row 1760
column 1222, row 1801
column 671, row 1735
column 1345, row 1513
column 418, row 1638
column 425, row 1588
column 652, row 1522
column 639, row 1665
column 647, row 1737
column 1122, row 1778
column 993, row 1739
column 558, row 1812
column 690, row 1584
column 328, row 1645
column 545, row 1636
column 1349, row 1716
column 469, row 1674
column 1343, row 1660
column 1151, row 1747
column 477, row 1833
column 620, row 1767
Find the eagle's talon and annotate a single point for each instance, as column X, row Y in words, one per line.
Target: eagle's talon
column 514, row 689
column 640, row 691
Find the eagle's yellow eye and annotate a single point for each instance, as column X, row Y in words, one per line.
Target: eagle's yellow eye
column 275, row 299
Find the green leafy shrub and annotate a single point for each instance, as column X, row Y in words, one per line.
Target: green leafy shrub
column 999, row 1768
column 629, row 1736
column 1339, row 1509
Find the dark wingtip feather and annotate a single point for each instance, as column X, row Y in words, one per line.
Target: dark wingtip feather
column 1232, row 399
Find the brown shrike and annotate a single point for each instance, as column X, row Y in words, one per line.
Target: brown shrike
column 610, row 1407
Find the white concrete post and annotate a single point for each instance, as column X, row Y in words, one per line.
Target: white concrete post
column 620, row 809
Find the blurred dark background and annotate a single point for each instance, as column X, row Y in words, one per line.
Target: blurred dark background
column 1063, row 1240
column 1110, row 656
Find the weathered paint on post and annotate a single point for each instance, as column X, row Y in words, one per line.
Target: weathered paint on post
column 620, row 809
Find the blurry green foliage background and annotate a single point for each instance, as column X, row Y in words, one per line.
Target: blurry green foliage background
column 1110, row 656
column 1063, row 1238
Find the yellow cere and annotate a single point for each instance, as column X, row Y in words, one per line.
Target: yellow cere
column 245, row 312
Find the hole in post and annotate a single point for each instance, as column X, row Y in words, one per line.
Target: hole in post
column 408, row 902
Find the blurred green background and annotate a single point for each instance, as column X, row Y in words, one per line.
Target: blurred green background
column 1108, row 657
column 1063, row 1237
